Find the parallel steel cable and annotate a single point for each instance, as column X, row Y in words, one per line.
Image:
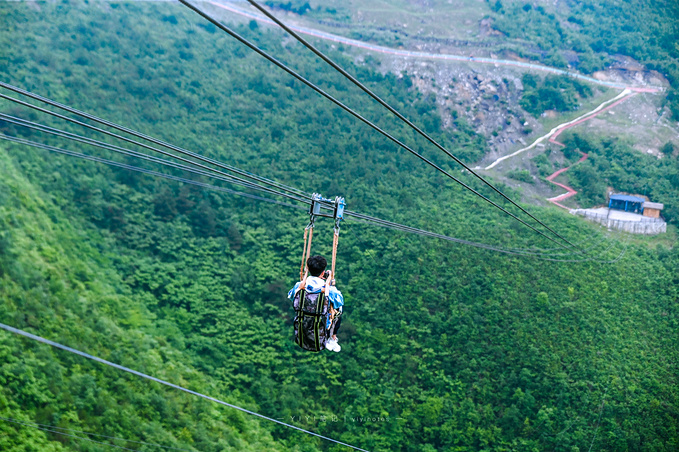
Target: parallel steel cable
column 123, row 151
column 68, row 435
column 586, row 245
column 120, row 137
column 403, row 228
column 148, row 138
column 68, row 135
column 524, row 251
column 145, row 171
column 505, row 251
column 179, row 179
column 59, row 431
column 117, row 149
column 228, row 175
column 589, row 242
column 166, row 383
column 82, row 139
column 425, row 233
column 359, row 217
column 361, row 118
column 396, row 113
column 410, row 229
column 132, row 153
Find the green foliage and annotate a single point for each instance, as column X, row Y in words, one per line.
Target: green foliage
column 544, row 166
column 298, row 6
column 667, row 148
column 457, row 349
column 560, row 93
column 522, row 175
column 614, row 163
column 497, row 6
column 643, row 29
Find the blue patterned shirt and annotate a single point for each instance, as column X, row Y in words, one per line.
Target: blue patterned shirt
column 315, row 284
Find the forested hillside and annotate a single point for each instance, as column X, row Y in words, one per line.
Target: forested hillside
column 614, row 163
column 589, row 34
column 445, row 347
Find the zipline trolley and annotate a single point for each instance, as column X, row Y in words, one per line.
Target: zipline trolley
column 318, row 204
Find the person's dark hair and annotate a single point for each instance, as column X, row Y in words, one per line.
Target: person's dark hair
column 316, row 265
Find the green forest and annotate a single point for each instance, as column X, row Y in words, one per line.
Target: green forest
column 615, row 163
column 594, row 32
column 560, row 93
column 444, row 347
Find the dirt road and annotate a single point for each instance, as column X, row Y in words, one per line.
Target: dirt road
column 234, row 7
column 556, row 131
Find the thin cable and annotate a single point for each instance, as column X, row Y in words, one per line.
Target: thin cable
column 166, row 383
column 100, row 144
column 106, row 132
column 396, row 113
column 228, row 175
column 596, row 430
column 141, row 136
column 117, row 149
column 587, row 241
column 70, row 436
column 358, row 116
column 128, row 152
column 360, row 217
column 54, row 427
column 145, row 171
column 403, row 228
column 526, row 251
column 536, row 256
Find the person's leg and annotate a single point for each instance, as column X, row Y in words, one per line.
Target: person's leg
column 338, row 322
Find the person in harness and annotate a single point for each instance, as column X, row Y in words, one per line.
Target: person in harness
column 318, row 308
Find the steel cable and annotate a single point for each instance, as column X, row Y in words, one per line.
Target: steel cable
column 396, row 113
column 141, row 136
column 124, row 151
column 526, row 251
column 66, row 434
column 361, row 118
column 166, row 383
column 403, row 228
column 106, row 132
column 359, row 217
column 58, row 430
column 228, row 175
column 145, row 171
column 132, row 153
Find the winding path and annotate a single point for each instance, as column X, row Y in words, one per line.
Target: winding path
column 556, row 131
column 628, row 91
column 229, row 5
column 569, row 191
column 586, row 117
column 554, row 134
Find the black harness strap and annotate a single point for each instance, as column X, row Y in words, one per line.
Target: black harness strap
column 300, row 327
column 319, row 308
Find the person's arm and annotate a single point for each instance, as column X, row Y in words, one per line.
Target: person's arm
column 293, row 291
column 336, row 297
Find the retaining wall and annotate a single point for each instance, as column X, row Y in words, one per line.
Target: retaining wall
column 645, row 225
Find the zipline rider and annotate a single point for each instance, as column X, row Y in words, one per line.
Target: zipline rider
column 317, row 302
column 330, row 301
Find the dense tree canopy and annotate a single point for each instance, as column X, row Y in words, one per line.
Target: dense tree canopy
column 596, row 32
column 457, row 348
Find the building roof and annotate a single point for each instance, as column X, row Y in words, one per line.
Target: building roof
column 629, row 198
column 653, row 205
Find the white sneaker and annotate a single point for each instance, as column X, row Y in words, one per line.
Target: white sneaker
column 332, row 345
